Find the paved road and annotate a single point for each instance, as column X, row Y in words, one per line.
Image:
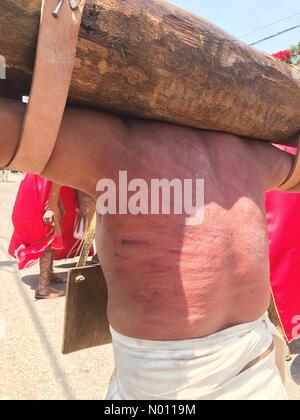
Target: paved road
column 31, row 364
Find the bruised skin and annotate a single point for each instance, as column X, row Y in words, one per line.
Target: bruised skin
column 171, row 281
column 168, row 280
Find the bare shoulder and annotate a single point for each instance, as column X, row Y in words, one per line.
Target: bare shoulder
column 93, row 120
column 271, row 165
column 80, row 156
column 275, row 164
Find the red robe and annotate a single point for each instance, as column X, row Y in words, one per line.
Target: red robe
column 283, row 210
column 284, row 229
column 31, row 237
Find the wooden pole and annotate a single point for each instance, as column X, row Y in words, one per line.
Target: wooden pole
column 149, row 59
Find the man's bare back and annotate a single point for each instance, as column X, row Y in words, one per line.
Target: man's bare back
column 168, row 280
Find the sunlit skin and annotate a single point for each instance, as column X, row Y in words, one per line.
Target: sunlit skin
column 167, row 280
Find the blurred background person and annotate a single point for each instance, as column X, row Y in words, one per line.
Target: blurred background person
column 284, row 236
column 50, row 222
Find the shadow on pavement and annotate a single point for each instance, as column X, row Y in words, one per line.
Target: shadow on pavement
column 295, row 365
column 295, row 347
column 60, row 375
column 66, row 265
column 295, row 370
column 8, row 263
column 33, row 281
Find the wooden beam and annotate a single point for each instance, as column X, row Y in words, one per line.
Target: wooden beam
column 149, row 59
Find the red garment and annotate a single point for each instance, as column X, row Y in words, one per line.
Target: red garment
column 284, row 229
column 31, row 237
column 284, row 233
column 283, row 55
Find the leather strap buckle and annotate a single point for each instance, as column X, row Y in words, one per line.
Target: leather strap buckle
column 54, row 64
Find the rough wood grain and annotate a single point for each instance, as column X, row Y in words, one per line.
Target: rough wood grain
column 149, row 59
column 86, row 323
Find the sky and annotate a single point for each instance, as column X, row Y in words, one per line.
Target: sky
column 241, row 17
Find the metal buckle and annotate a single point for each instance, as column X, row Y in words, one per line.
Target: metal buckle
column 73, row 4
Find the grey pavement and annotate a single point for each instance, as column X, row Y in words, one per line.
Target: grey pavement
column 31, row 364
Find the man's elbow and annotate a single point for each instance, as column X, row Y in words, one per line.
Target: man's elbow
column 11, row 119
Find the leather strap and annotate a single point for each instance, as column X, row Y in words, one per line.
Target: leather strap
column 55, row 57
column 294, row 177
column 88, row 242
column 259, row 358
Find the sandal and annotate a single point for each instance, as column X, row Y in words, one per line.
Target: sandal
column 48, row 293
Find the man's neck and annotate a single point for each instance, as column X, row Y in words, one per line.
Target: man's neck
column 11, row 120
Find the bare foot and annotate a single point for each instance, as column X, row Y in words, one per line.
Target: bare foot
column 48, row 293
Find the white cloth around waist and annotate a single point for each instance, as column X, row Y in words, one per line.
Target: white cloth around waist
column 204, row 368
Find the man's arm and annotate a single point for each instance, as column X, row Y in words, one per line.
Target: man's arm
column 11, row 119
column 79, row 158
column 292, row 183
column 85, row 212
column 279, row 165
column 53, row 213
column 79, row 154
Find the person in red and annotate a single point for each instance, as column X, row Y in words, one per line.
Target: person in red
column 284, row 236
column 47, row 218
